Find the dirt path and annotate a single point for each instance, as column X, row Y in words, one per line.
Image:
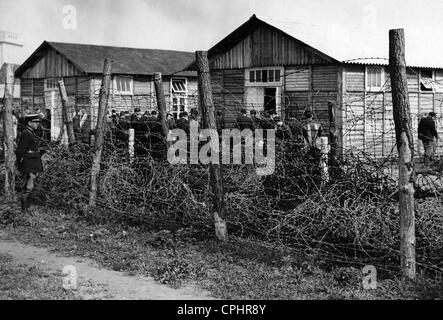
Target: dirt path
column 94, row 282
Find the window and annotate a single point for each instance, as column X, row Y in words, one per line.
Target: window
column 251, row 76
column 271, row 76
column 123, row 85
column 375, row 78
column 178, row 85
column 264, row 76
column 438, row 80
column 178, row 106
column 51, row 84
column 426, row 80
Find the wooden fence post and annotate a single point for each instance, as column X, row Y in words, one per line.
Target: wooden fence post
column 8, row 129
column 161, row 103
column 333, row 137
column 66, row 112
column 100, row 130
column 324, row 146
column 131, row 145
column 208, row 113
column 405, row 147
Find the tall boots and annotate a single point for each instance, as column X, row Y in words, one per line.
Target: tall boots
column 26, row 202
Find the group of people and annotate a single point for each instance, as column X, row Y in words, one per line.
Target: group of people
column 290, row 129
column 148, row 131
column 149, row 136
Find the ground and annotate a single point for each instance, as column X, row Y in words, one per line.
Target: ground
column 41, row 270
column 120, row 262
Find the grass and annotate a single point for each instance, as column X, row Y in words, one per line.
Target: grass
column 238, row 269
column 24, row 282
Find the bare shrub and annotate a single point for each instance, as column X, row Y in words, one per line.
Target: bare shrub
column 352, row 218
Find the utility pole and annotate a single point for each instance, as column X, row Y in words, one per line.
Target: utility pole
column 405, row 147
column 208, row 113
column 100, row 130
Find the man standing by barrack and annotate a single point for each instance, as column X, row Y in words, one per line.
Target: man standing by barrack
column 426, row 133
column 29, row 161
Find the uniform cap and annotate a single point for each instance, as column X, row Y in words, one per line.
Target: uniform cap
column 32, row 117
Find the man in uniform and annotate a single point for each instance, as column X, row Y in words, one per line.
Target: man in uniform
column 426, row 133
column 29, row 161
column 183, row 122
column 170, row 121
column 244, row 122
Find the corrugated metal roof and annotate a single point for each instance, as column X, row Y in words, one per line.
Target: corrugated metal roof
column 132, row 61
column 384, row 62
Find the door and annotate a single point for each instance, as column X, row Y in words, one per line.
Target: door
column 270, row 100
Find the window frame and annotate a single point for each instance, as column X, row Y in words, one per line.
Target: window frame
column 54, row 88
column 123, row 92
column 185, row 84
column 178, row 95
column 438, row 78
column 382, row 78
column 258, row 81
column 432, row 81
column 178, row 111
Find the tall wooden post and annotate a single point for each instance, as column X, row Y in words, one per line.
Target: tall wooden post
column 66, row 112
column 131, row 145
column 100, row 130
column 333, row 137
column 324, row 146
column 8, row 129
column 208, row 113
column 161, row 103
column 405, row 147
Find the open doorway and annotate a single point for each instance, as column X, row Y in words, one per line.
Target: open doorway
column 270, row 98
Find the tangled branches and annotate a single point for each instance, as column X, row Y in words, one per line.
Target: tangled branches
column 351, row 218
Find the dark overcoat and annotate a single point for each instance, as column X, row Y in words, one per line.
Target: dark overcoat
column 426, row 129
column 29, row 153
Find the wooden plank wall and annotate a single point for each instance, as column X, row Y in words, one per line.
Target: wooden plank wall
column 51, row 65
column 266, row 47
column 368, row 118
column 233, row 95
column 228, row 91
column 83, row 93
column 143, row 95
column 216, row 86
column 311, row 87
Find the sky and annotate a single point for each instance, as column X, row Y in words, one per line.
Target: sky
column 344, row 29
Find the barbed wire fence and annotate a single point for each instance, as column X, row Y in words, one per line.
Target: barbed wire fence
column 349, row 220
